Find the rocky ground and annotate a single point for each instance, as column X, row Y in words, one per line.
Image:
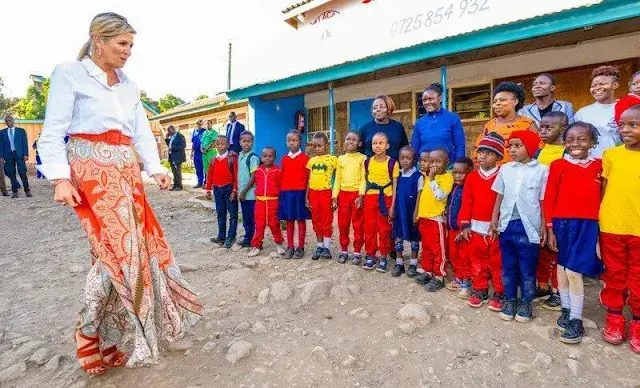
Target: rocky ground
column 270, row 322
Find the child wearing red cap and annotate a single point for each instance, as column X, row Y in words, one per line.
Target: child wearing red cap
column 517, row 217
column 475, row 218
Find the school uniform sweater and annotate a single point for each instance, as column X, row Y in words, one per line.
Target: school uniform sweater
column 219, row 174
column 454, row 203
column 477, row 201
column 295, row 174
column 573, row 190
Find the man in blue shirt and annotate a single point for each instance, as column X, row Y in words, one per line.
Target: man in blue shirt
column 196, row 153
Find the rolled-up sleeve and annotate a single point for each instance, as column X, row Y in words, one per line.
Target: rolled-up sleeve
column 51, row 145
column 145, row 144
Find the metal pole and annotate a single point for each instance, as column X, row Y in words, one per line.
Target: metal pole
column 229, row 69
column 443, row 81
column 332, row 120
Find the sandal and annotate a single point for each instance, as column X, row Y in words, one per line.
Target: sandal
column 114, row 358
column 89, row 355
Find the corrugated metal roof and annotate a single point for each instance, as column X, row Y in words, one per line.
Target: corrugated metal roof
column 205, row 102
column 346, row 62
column 296, row 5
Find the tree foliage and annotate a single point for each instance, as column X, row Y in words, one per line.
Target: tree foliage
column 201, row 97
column 149, row 101
column 34, row 103
column 5, row 102
column 169, row 101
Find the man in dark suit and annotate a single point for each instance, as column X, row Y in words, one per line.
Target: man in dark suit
column 234, row 129
column 14, row 152
column 177, row 144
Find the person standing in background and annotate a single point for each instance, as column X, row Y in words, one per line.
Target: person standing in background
column 177, row 144
column 604, row 82
column 543, row 89
column 14, row 152
column 234, row 129
column 208, row 146
column 196, row 153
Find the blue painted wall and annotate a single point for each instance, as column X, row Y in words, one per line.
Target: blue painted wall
column 359, row 113
column 273, row 119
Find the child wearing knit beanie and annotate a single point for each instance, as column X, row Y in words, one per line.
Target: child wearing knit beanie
column 517, row 218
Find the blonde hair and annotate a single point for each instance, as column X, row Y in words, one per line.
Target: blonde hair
column 105, row 25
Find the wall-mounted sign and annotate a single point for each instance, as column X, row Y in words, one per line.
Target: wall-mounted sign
column 325, row 15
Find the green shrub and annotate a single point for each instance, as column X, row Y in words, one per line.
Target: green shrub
column 185, row 167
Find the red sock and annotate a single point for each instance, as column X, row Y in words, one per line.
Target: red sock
column 302, row 233
column 291, row 225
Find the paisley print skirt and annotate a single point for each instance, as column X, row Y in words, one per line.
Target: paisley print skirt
column 134, row 290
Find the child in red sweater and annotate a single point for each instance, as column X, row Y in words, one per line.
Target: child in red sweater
column 222, row 176
column 572, row 202
column 475, row 217
column 292, row 208
column 268, row 183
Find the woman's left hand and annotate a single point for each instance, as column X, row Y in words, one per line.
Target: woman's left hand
column 163, row 180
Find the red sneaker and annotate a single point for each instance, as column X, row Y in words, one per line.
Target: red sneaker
column 634, row 336
column 614, row 329
column 478, row 298
column 496, row 303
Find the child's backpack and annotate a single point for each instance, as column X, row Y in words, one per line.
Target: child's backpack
column 252, row 155
column 390, row 165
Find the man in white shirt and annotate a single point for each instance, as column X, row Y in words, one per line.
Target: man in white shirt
column 604, row 82
column 14, row 153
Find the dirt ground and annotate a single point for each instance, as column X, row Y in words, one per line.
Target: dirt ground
column 275, row 323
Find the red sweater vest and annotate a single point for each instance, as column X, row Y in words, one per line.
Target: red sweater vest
column 295, row 175
column 477, row 198
column 220, row 175
column 573, row 190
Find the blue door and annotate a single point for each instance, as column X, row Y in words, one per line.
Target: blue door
column 359, row 113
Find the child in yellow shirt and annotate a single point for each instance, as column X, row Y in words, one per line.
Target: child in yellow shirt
column 429, row 215
column 321, row 168
column 346, row 198
column 378, row 193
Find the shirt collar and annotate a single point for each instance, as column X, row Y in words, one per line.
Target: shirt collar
column 293, row 155
column 96, row 72
column 223, row 155
column 488, row 173
column 573, row 160
column 409, row 172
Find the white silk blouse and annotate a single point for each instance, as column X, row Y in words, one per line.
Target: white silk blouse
column 81, row 101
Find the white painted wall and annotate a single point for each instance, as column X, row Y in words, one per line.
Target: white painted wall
column 581, row 54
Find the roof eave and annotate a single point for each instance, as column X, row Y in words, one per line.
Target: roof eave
column 605, row 12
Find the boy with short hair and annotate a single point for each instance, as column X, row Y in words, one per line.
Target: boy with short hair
column 552, row 129
column 248, row 163
column 222, row 176
column 430, row 217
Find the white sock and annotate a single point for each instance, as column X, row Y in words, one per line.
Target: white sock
column 400, row 261
column 345, row 252
column 577, row 302
column 413, row 262
column 327, row 242
column 565, row 299
column 320, row 245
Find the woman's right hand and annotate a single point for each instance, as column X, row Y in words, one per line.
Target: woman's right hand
column 66, row 194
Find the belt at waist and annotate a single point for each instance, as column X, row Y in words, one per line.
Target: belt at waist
column 112, row 137
column 263, row 198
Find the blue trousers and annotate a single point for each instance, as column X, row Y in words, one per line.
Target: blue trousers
column 248, row 219
column 224, row 205
column 519, row 262
column 197, row 163
column 13, row 164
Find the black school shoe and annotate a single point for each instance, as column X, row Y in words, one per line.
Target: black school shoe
column 553, row 303
column 413, row 271
column 326, row 254
column 397, row 270
column 5, row 193
column 298, row 253
column 343, row 257
column 228, row 243
column 288, row 254
column 563, row 320
column 423, row 278
column 245, row 244
column 574, row 332
column 542, row 294
column 434, row 284
column 318, row 253
column 217, row 240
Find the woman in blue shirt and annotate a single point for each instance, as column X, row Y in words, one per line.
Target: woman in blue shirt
column 382, row 108
column 439, row 128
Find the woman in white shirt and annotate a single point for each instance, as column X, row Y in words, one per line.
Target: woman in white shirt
column 134, row 282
